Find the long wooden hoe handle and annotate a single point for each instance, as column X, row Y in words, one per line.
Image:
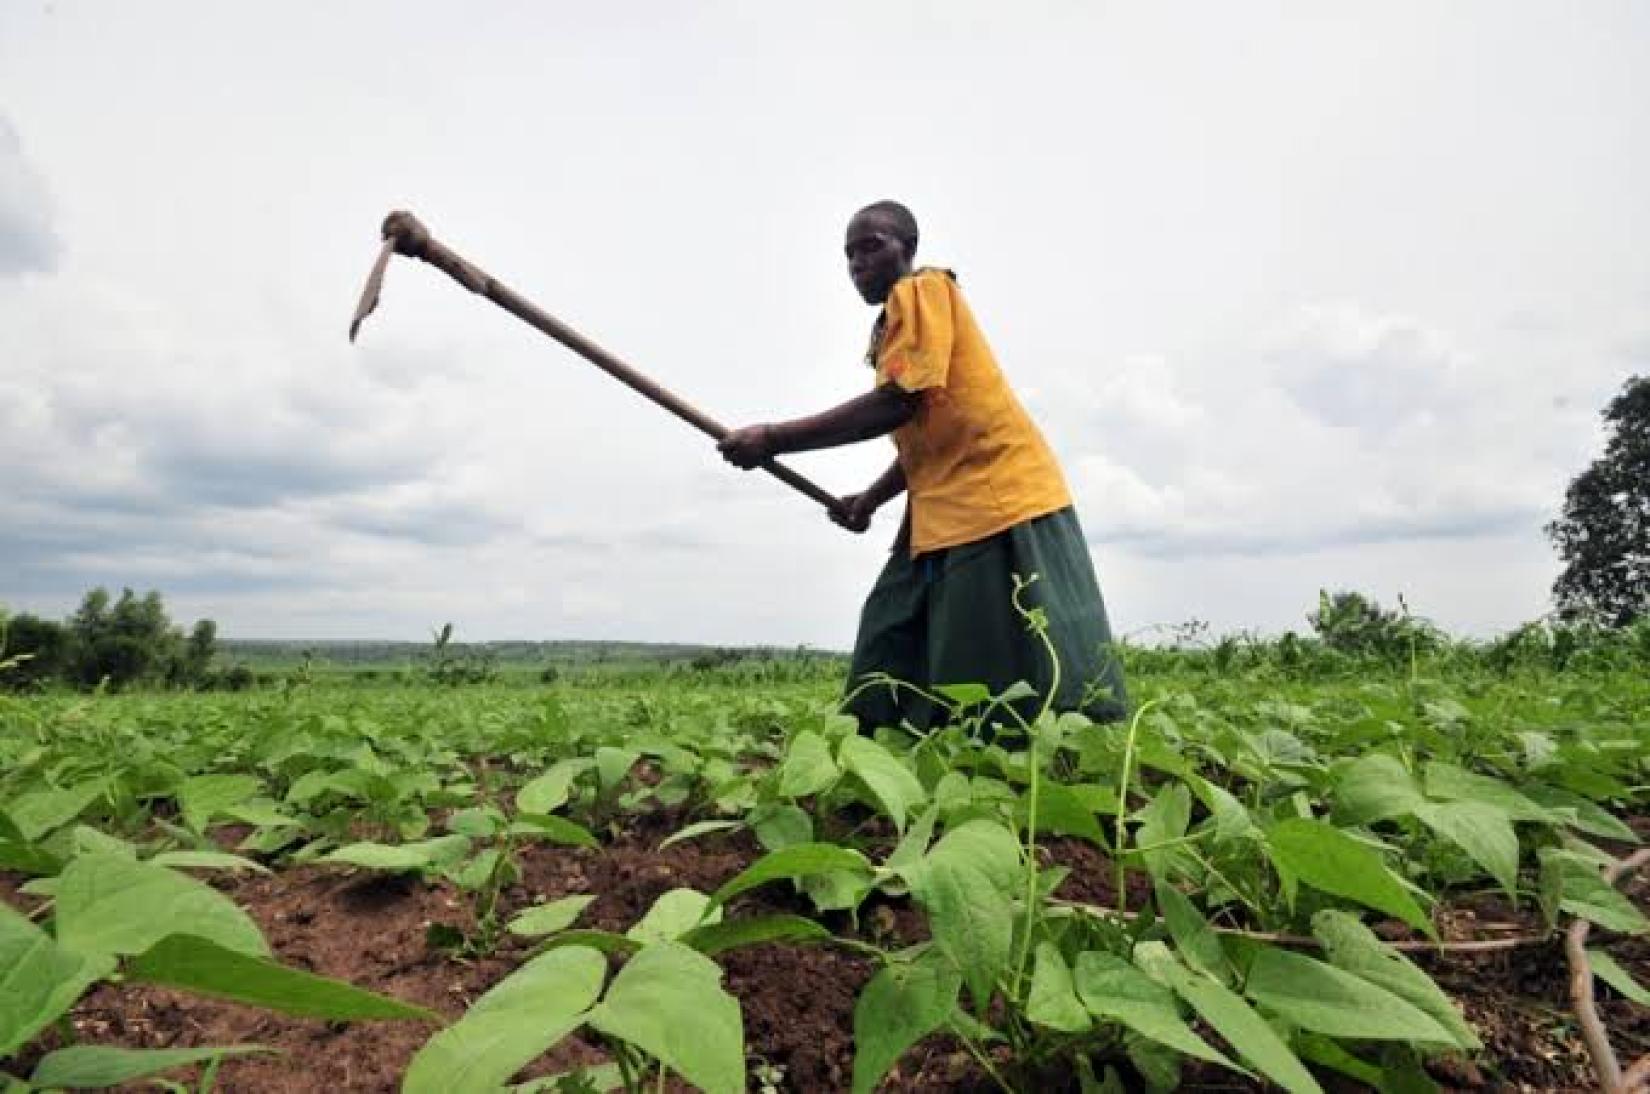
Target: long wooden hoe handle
column 405, row 234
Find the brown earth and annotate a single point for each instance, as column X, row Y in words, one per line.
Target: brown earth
column 797, row 1001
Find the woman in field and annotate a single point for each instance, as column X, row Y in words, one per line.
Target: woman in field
column 986, row 501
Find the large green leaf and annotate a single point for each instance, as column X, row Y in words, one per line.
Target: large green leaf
column 40, row 811
column 521, row 1017
column 797, row 861
column 96, row 1067
column 901, row 1005
column 1609, row 970
column 893, row 784
column 1375, row 787
column 1061, row 812
column 206, row 968
column 713, row 938
column 808, row 767
column 1232, row 1018
column 673, row 915
column 1483, row 831
column 557, row 915
column 39, row 980
column 1580, row 813
column 203, row 797
column 966, row 883
column 1326, row 858
column 554, row 829
column 1582, row 891
column 1053, row 1000
column 1193, row 937
column 668, row 1001
column 1114, row 990
column 550, row 791
column 1329, row 1000
column 107, row 903
column 420, row 855
column 1355, row 948
column 612, row 765
column 1453, row 783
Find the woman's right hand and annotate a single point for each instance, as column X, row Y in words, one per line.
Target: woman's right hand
column 855, row 514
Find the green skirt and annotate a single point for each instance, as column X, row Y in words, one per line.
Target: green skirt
column 948, row 617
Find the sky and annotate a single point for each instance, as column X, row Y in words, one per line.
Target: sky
column 1304, row 295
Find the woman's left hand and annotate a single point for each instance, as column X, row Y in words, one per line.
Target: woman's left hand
column 747, row 447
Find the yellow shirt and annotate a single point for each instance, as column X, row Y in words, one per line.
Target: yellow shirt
column 974, row 463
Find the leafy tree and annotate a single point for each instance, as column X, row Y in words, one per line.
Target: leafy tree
column 33, row 651
column 1355, row 624
column 1603, row 535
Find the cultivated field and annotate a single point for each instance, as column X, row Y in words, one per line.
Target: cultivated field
column 1293, row 866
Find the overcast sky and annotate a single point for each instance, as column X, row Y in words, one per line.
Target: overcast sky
column 1303, row 295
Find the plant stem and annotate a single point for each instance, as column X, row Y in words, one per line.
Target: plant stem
column 1122, row 831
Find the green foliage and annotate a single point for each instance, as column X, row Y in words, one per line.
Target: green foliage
column 1603, row 533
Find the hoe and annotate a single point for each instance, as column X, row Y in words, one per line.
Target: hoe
column 405, row 234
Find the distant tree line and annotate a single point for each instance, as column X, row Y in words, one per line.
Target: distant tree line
column 112, row 642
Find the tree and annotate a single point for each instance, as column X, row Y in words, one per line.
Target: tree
column 1603, row 536
column 38, row 650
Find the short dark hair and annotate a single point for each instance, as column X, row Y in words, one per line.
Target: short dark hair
column 905, row 225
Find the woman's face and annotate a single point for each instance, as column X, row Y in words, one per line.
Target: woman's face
column 876, row 256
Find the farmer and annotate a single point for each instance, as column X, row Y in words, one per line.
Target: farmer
column 987, row 501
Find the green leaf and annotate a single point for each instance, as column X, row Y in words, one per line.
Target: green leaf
column 110, row 904
column 1114, row 990
column 1163, row 819
column 1355, row 948
column 893, row 785
column 1193, row 937
column 781, row 825
column 477, row 822
column 1328, row 859
column 1483, row 832
column 1053, row 999
column 550, row 791
column 699, row 828
column 966, row 884
column 422, row 855
column 613, row 765
column 96, row 1067
column 808, row 767
column 673, row 915
column 965, row 695
column 207, row 860
column 1582, row 891
column 259, row 812
column 1375, row 787
column 901, row 1005
column 711, row 939
column 1321, row 997
column 39, row 979
column 554, row 829
column 590, row 938
column 1452, row 783
column 1061, row 812
column 205, row 968
column 557, row 915
column 798, row 861
column 1581, row 814
column 41, row 811
column 668, row 1001
column 1232, row 1018
column 1608, row 970
column 203, row 797
column 520, row 1018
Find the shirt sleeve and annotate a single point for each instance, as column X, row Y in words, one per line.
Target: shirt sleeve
column 915, row 352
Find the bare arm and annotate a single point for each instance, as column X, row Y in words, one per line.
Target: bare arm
column 859, row 419
column 858, row 508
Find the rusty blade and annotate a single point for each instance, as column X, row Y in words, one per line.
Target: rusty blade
column 370, row 291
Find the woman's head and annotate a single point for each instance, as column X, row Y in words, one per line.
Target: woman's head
column 881, row 245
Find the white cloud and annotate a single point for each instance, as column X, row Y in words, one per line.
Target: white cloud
column 28, row 241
